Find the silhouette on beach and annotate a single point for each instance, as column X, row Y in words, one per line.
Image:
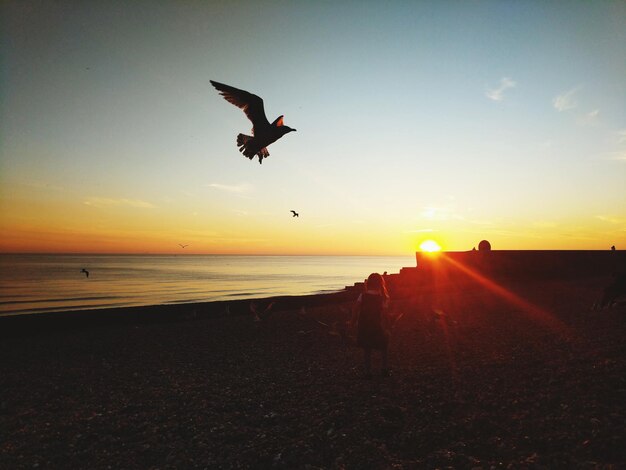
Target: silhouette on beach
column 85, row 271
column 372, row 321
column 295, row 214
column 263, row 133
column 612, row 292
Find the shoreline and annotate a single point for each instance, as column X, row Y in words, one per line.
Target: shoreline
column 21, row 323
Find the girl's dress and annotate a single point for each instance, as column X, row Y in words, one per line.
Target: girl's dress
column 371, row 333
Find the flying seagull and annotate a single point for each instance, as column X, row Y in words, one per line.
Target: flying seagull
column 257, row 315
column 183, row 246
column 263, row 133
column 85, row 271
column 295, row 214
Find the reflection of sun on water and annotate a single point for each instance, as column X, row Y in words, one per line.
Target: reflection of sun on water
column 430, row 246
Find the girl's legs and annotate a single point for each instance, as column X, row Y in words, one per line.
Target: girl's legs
column 385, row 368
column 367, row 355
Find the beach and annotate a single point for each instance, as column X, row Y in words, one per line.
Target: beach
column 533, row 380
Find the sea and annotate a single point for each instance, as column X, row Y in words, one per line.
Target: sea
column 36, row 283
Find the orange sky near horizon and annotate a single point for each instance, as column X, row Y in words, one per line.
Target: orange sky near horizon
column 42, row 220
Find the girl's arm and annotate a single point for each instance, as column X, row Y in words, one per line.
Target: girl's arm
column 356, row 307
column 388, row 320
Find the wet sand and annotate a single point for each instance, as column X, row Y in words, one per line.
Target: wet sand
column 480, row 379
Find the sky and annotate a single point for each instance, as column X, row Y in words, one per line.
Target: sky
column 442, row 120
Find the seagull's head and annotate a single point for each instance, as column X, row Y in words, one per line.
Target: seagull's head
column 279, row 124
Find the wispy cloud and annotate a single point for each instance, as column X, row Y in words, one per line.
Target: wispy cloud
column 108, row 202
column 590, row 119
column 617, row 155
column 543, row 224
column 611, row 219
column 420, row 230
column 232, row 188
column 566, row 100
column 440, row 213
column 497, row 94
column 43, row 185
column 430, row 212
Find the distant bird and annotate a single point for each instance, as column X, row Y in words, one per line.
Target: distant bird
column 85, row 271
column 258, row 315
column 295, row 214
column 183, row 246
column 263, row 133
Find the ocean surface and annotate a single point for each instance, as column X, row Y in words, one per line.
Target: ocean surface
column 43, row 283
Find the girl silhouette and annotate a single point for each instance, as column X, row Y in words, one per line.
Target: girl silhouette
column 372, row 322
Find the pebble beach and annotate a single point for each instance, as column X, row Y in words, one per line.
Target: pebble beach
column 478, row 381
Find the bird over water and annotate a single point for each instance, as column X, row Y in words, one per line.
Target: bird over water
column 263, row 133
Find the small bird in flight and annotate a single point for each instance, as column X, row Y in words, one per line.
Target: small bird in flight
column 257, row 315
column 85, row 271
column 263, row 133
column 183, row 246
column 295, row 214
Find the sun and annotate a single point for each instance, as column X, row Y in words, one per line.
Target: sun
column 430, row 246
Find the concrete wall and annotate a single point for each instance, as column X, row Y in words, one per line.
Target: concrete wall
column 524, row 263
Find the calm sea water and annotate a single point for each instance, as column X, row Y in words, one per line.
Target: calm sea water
column 40, row 283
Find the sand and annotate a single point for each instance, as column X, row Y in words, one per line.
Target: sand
column 534, row 380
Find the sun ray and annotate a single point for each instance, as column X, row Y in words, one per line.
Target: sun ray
column 535, row 312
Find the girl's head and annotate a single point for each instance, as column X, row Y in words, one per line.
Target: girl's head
column 375, row 282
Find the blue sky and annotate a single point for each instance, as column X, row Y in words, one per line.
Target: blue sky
column 455, row 121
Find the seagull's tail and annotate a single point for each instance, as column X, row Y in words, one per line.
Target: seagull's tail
column 244, row 144
column 248, row 147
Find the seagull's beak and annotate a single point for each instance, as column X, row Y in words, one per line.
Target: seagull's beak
column 293, row 130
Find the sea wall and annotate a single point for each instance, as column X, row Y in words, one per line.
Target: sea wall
column 458, row 267
column 527, row 263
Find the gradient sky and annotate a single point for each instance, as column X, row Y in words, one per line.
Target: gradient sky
column 451, row 121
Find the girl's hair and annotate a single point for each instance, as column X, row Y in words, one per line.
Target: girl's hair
column 376, row 282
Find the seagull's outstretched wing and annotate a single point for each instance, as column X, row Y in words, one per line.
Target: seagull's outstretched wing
column 251, row 104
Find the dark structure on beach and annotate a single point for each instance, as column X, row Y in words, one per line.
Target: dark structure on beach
column 500, row 265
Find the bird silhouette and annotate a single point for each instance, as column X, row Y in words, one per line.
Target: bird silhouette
column 295, row 214
column 85, row 271
column 263, row 133
column 183, row 246
column 258, row 315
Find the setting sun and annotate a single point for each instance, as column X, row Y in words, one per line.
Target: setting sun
column 430, row 246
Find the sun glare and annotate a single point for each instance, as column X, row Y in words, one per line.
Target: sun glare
column 430, row 246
